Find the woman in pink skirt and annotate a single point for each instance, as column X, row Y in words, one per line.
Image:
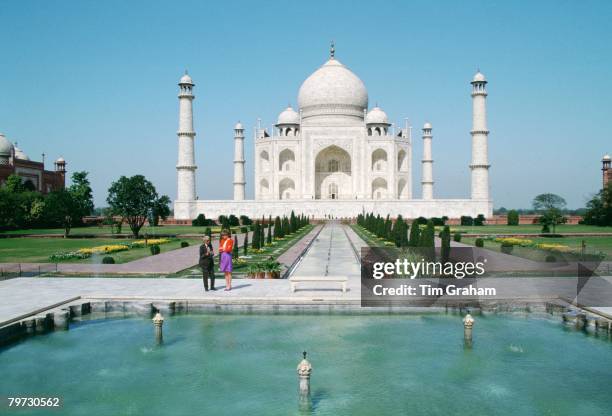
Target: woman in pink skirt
column 226, row 245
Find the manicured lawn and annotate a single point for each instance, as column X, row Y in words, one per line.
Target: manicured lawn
column 532, row 229
column 94, row 230
column 593, row 245
column 38, row 250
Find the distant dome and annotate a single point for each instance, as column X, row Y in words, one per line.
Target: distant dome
column 479, row 77
column 333, row 89
column 376, row 116
column 289, row 116
column 186, row 79
column 60, row 160
column 19, row 154
column 427, row 126
column 6, row 147
column 238, row 126
column 606, row 158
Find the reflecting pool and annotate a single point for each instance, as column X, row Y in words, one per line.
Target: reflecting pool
column 362, row 365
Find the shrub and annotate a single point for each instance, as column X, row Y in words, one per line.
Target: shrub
column 513, row 217
column 457, row 237
column 550, row 259
column 545, row 229
column 438, row 222
column 421, row 220
column 506, row 247
column 466, row 220
column 108, row 260
column 233, row 220
column 184, row 244
column 479, row 220
column 445, row 246
column 244, row 230
column 244, row 220
column 479, row 242
column 154, row 249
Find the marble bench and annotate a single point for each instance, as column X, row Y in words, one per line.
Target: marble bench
column 294, row 280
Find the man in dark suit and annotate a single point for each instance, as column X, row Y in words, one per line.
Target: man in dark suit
column 207, row 263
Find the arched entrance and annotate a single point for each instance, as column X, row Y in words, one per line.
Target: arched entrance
column 333, row 174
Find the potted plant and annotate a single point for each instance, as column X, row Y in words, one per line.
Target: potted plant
column 260, row 271
column 251, row 271
column 274, row 269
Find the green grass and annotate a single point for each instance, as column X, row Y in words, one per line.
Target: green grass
column 531, row 229
column 38, row 250
column 95, row 230
column 593, row 245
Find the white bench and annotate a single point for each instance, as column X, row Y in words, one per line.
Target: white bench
column 294, row 280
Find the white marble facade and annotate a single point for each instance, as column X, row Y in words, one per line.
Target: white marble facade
column 333, row 157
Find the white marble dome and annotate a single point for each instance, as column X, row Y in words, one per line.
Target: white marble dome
column 19, row 154
column 331, row 85
column 479, row 77
column 427, row 126
column 377, row 116
column 606, row 158
column 289, row 116
column 186, row 79
column 238, row 126
column 6, row 147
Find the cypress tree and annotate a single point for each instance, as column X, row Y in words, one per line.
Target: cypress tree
column 396, row 233
column 262, row 236
column 445, row 237
column 277, row 228
column 245, row 245
column 256, row 239
column 415, row 235
column 269, row 241
column 235, row 249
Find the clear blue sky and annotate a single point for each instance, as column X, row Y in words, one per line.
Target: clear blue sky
column 95, row 82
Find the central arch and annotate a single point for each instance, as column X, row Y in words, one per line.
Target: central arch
column 333, row 172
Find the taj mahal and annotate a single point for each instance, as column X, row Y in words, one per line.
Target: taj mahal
column 333, row 157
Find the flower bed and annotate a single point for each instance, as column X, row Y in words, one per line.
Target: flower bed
column 85, row 253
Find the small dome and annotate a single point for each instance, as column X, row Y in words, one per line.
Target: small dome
column 186, row 79
column 427, row 126
column 479, row 77
column 60, row 160
column 606, row 158
column 238, row 126
column 6, row 147
column 19, row 154
column 376, row 116
column 289, row 116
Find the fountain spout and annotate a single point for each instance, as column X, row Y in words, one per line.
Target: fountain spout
column 468, row 323
column 158, row 323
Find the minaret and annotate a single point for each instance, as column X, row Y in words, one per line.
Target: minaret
column 480, row 160
column 427, row 168
column 186, row 160
column 605, row 168
column 239, row 182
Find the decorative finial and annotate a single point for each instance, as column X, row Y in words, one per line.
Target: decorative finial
column 186, row 72
column 304, row 354
column 332, row 50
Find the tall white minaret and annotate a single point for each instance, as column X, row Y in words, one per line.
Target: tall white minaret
column 427, row 168
column 186, row 166
column 239, row 182
column 480, row 159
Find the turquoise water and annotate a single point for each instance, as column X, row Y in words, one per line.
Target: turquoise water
column 363, row 365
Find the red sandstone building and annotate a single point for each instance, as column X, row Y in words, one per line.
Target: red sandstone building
column 13, row 161
column 607, row 171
